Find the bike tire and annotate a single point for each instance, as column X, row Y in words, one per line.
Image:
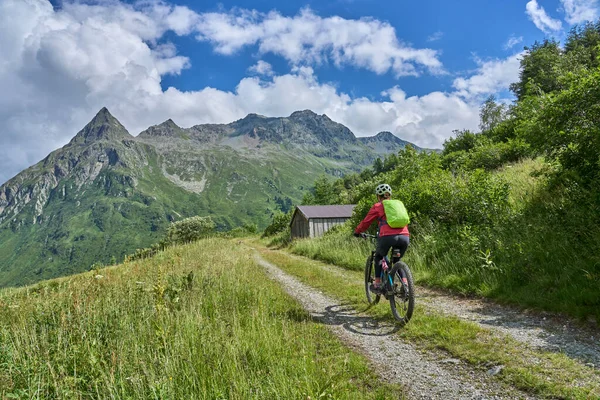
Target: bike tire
column 402, row 302
column 372, row 298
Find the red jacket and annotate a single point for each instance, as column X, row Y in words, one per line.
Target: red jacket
column 376, row 213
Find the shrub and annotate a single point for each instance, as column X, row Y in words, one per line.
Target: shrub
column 279, row 224
column 180, row 232
column 189, row 230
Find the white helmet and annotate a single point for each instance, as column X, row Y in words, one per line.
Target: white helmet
column 383, row 189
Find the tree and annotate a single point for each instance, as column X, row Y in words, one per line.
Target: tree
column 322, row 193
column 583, row 45
column 566, row 126
column 491, row 114
column 378, row 165
column 390, row 162
column 280, row 223
column 540, row 69
column 465, row 140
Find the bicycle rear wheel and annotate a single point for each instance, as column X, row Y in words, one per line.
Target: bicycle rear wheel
column 402, row 302
column 372, row 298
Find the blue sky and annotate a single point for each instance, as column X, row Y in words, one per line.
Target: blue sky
column 417, row 69
column 473, row 28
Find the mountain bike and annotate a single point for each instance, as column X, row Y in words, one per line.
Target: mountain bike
column 397, row 283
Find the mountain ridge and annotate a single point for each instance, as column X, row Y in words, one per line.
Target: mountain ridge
column 169, row 128
column 106, row 192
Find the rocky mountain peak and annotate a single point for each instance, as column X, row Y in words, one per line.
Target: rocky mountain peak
column 303, row 114
column 166, row 129
column 387, row 136
column 250, row 118
column 384, row 136
column 385, row 142
column 254, row 115
column 102, row 127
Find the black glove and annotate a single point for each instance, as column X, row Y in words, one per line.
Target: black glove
column 356, row 234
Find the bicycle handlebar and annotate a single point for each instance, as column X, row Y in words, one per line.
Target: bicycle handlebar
column 367, row 236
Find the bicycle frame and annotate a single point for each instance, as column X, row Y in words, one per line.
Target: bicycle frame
column 397, row 283
column 385, row 275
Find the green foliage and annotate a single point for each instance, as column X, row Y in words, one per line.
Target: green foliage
column 280, row 223
column 429, row 191
column 564, row 126
column 488, row 154
column 181, row 232
column 189, row 230
column 540, row 69
column 178, row 326
column 281, row 239
column 322, row 193
column 507, row 235
column 463, row 141
column 483, row 223
column 582, row 44
column 491, row 114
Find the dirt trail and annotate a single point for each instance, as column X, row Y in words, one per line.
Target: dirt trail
column 539, row 330
column 424, row 375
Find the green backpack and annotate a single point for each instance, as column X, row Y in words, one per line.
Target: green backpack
column 395, row 213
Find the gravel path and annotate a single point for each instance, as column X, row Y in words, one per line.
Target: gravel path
column 539, row 330
column 424, row 375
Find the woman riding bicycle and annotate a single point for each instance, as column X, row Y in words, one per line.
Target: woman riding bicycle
column 388, row 237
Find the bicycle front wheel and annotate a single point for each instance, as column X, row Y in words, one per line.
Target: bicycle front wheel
column 402, row 302
column 372, row 298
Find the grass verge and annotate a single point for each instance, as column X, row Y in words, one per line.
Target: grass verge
column 197, row 322
column 551, row 375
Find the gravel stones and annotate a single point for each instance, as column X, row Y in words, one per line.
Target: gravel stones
column 425, row 375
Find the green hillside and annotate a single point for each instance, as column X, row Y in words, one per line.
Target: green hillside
column 106, row 193
column 511, row 212
column 193, row 322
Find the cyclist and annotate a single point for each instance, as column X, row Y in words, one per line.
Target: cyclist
column 388, row 237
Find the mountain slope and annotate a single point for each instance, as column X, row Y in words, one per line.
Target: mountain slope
column 107, row 193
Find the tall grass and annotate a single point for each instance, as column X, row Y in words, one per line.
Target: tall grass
column 338, row 248
column 200, row 321
column 545, row 253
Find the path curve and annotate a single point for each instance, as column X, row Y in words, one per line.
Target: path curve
column 423, row 375
column 540, row 330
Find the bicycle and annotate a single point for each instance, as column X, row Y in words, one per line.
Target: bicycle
column 397, row 284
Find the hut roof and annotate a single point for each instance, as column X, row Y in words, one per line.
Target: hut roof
column 335, row 211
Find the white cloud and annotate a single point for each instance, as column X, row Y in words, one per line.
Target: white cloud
column 59, row 67
column 492, row 76
column 435, row 37
column 542, row 21
column 578, row 11
column 512, row 42
column 261, row 68
column 307, row 38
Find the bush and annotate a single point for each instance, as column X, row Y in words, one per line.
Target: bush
column 245, row 230
column 488, row 156
column 189, row 230
column 280, row 223
column 431, row 192
column 180, row 232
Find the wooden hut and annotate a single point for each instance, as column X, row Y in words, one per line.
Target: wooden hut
column 314, row 221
